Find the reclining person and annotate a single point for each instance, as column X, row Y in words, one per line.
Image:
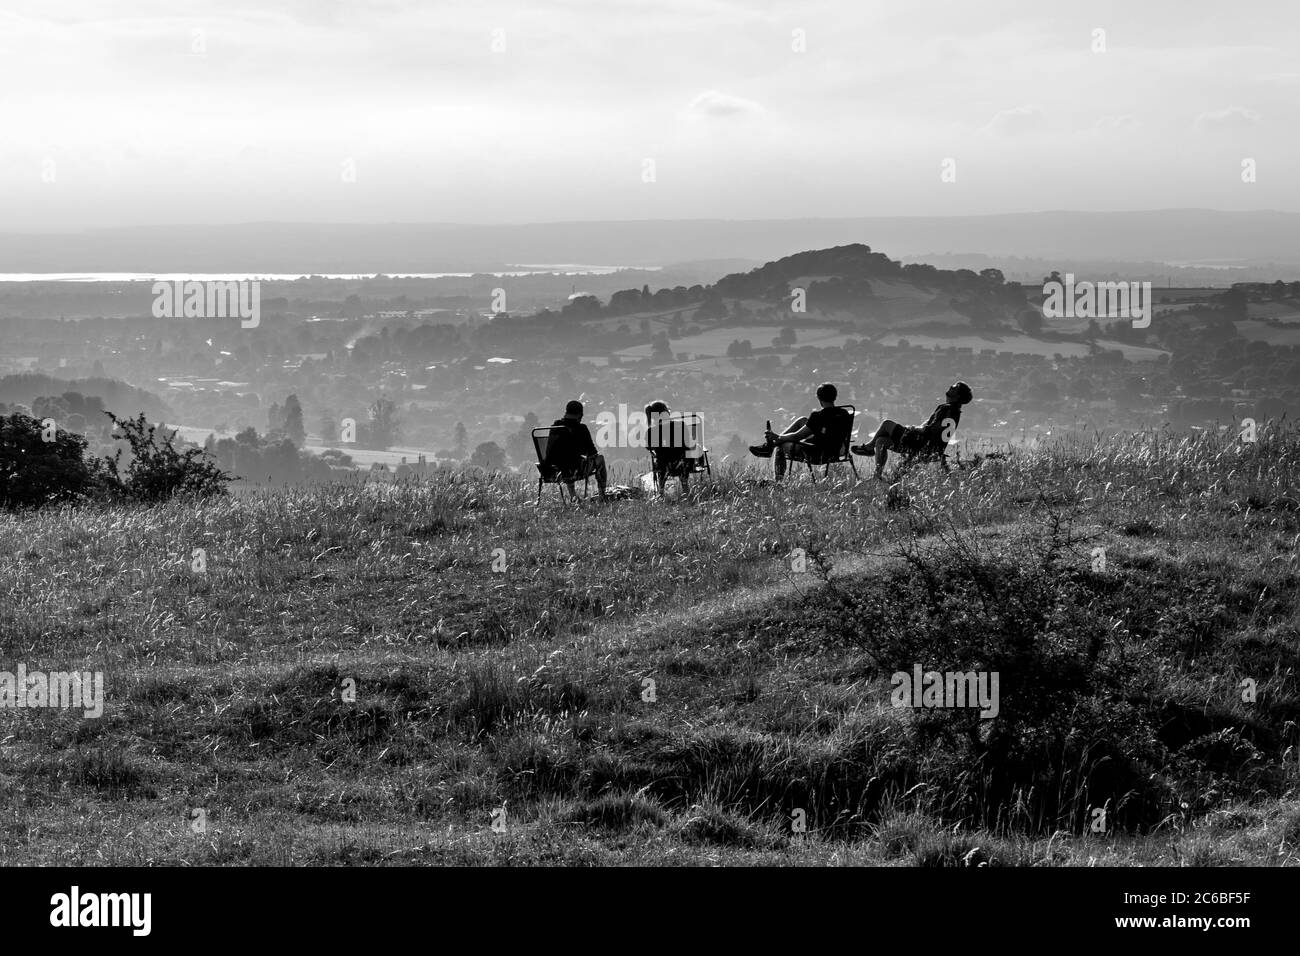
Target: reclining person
column 932, row 436
column 815, row 438
column 572, row 452
column 666, row 440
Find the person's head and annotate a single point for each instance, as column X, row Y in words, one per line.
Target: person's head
column 655, row 408
column 826, row 394
column 959, row 392
column 573, row 410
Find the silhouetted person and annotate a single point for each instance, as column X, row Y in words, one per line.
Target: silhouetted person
column 932, row 436
column 572, row 451
column 815, row 438
column 666, row 439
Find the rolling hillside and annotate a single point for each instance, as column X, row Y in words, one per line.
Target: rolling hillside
column 442, row 672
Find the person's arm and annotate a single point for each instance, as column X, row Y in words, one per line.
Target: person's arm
column 586, row 444
column 801, row 434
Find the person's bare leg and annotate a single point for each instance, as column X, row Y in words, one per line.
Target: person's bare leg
column 882, row 445
column 795, row 425
column 602, row 476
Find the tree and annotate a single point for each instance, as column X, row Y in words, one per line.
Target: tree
column 158, row 471
column 293, row 428
column 663, row 351
column 520, row 445
column 1031, row 320
column 385, row 428
column 488, row 455
column 34, row 471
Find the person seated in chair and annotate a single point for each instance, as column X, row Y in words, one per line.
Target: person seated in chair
column 930, row 437
column 666, row 440
column 572, row 451
column 815, row 438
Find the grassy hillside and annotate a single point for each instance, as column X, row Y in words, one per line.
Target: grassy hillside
column 526, row 688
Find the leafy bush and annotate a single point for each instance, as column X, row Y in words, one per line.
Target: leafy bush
column 40, row 466
column 35, row 472
column 158, row 471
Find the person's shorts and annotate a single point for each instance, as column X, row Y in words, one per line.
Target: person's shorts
column 905, row 437
column 590, row 465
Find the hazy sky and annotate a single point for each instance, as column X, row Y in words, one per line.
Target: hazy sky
column 311, row 110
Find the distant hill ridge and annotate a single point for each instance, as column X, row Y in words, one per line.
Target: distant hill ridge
column 1165, row 235
column 118, row 396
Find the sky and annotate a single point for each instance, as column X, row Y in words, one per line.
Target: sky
column 149, row 112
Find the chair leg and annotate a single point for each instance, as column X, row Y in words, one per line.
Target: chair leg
column 854, row 467
column 539, row 491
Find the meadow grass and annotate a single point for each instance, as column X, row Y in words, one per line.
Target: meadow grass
column 502, row 658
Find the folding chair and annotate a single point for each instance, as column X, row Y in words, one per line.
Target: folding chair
column 926, row 452
column 843, row 455
column 684, row 430
column 548, row 474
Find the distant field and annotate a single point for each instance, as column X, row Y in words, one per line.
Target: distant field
column 1271, row 334
column 1025, row 345
column 1286, row 311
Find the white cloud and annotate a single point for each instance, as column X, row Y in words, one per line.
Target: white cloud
column 1013, row 122
column 713, row 104
column 1233, row 118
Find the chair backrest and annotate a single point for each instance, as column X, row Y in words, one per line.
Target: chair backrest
column 549, row 442
column 677, row 430
column 846, row 438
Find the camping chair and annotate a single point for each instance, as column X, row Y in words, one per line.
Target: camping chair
column 685, row 430
column 842, row 454
column 548, row 474
column 926, row 451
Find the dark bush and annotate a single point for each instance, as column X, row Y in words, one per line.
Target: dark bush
column 35, row 472
column 158, row 471
column 40, row 465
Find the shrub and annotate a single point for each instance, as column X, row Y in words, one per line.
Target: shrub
column 35, row 472
column 158, row 471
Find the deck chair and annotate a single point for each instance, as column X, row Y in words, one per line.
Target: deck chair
column 549, row 474
column 918, row 449
column 679, row 429
column 926, row 451
column 842, row 455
